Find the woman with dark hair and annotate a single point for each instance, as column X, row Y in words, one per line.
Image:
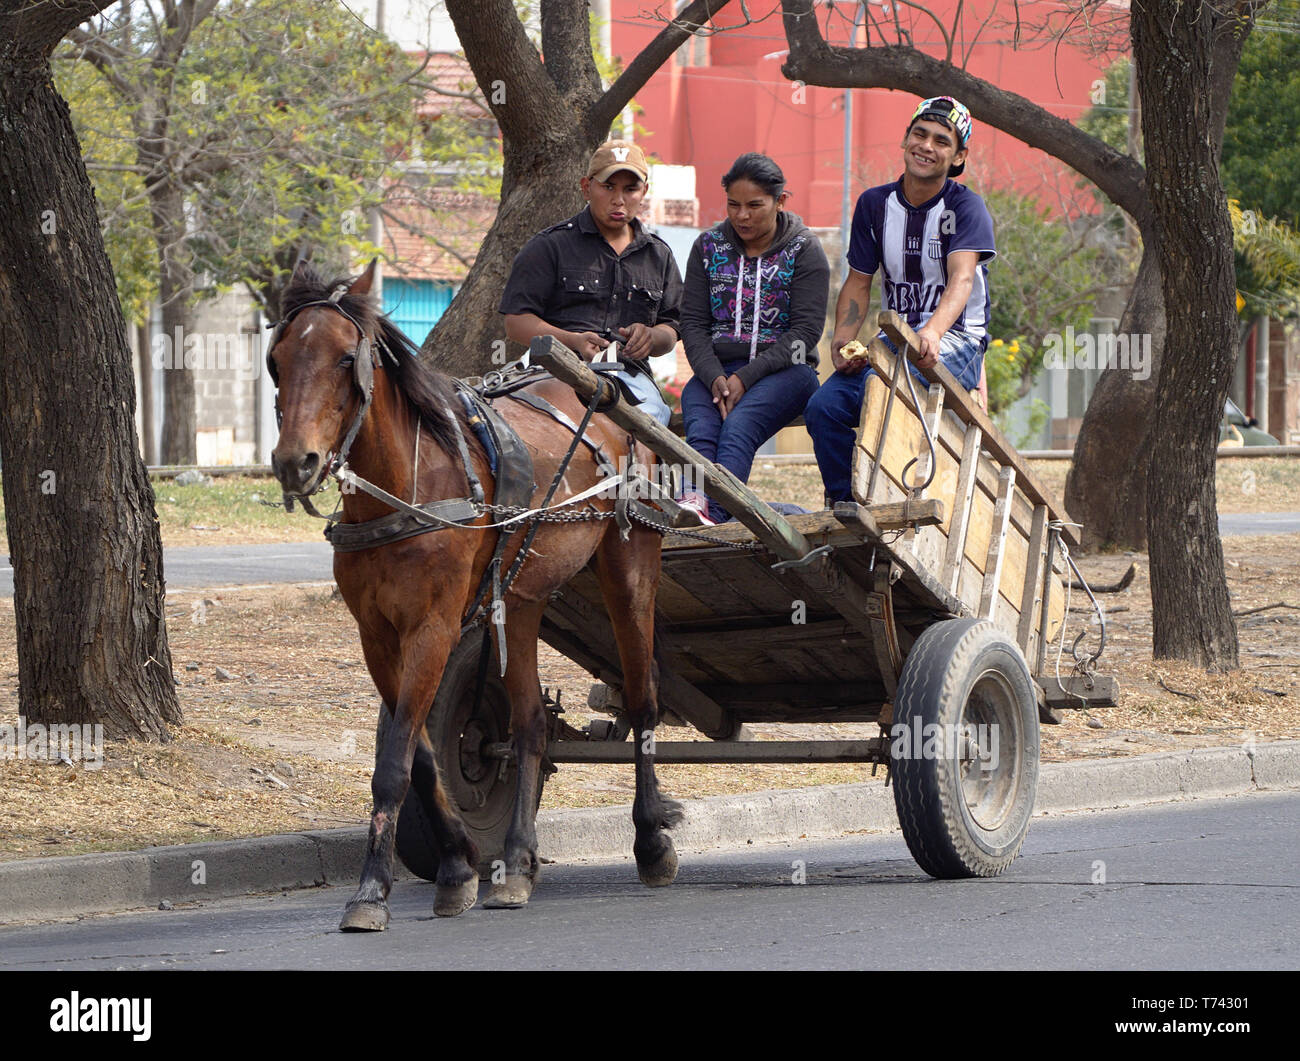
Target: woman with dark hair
column 753, row 310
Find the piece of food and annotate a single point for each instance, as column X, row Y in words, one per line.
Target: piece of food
column 853, row 351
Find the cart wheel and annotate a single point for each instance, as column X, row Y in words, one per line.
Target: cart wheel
column 483, row 788
column 964, row 749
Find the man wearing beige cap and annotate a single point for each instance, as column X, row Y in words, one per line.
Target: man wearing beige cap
column 600, row 278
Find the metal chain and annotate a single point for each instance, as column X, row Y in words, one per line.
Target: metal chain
column 550, row 515
column 642, row 518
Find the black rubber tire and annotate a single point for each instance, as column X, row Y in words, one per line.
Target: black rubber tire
column 485, row 797
column 959, row 819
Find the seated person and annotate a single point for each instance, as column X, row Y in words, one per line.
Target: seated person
column 933, row 239
column 600, row 277
column 752, row 313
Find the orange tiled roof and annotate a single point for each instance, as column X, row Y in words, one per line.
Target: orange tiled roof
column 439, row 243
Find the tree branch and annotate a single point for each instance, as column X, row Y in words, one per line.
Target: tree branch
column 566, row 48
column 814, row 62
column 650, row 58
column 106, row 57
column 30, row 31
column 501, row 55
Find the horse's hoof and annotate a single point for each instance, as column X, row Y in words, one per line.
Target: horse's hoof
column 660, row 873
column 510, row 894
column 452, row 899
column 364, row 917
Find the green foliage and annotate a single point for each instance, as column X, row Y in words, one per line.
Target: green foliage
column 1047, row 275
column 1107, row 118
column 1268, row 264
column 103, row 128
column 285, row 124
column 1261, row 144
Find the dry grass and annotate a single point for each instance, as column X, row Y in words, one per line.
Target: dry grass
column 300, row 700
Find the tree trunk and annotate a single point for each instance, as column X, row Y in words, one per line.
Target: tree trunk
column 469, row 339
column 175, row 290
column 84, row 539
column 552, row 117
column 1176, row 56
column 1107, row 484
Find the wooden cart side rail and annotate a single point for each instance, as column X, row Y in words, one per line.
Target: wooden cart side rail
column 958, row 401
column 823, row 577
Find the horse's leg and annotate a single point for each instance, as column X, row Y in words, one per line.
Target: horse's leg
column 423, row 656
column 457, row 884
column 629, row 576
column 528, row 732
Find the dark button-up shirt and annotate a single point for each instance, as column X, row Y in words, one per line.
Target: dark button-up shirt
column 571, row 277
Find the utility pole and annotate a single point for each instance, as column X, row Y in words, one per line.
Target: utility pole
column 376, row 216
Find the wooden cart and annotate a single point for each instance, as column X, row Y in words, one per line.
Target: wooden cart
column 929, row 605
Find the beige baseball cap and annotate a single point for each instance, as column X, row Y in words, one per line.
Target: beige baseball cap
column 615, row 155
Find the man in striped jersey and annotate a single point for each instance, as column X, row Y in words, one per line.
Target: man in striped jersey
column 931, row 239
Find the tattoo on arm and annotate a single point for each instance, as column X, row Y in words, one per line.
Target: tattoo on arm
column 854, row 314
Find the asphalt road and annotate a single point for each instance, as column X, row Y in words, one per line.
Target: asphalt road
column 1203, row 884
column 215, row 566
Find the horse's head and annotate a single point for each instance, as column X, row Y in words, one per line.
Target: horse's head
column 320, row 359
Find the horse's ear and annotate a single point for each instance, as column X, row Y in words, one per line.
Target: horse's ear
column 300, row 268
column 361, row 285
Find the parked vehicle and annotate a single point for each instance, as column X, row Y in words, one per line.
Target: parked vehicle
column 1239, row 430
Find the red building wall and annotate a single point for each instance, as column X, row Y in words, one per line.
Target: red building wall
column 707, row 115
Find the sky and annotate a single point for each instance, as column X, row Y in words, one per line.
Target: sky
column 412, row 23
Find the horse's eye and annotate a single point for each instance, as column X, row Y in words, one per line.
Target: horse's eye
column 348, row 360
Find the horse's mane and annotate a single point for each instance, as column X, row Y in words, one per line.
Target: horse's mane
column 430, row 392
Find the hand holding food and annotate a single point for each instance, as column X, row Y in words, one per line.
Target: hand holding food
column 853, row 351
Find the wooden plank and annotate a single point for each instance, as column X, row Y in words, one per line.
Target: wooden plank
column 903, row 441
column 933, row 416
column 823, row 578
column 1031, row 593
column 820, row 528
column 925, row 587
column 736, row 585
column 961, row 511
column 906, row 439
column 768, row 525
column 799, row 695
column 997, row 542
column 573, row 628
column 1075, row 694
column 873, row 749
column 825, row 635
column 677, row 604
column 959, row 401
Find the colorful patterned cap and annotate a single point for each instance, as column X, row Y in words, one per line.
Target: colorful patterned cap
column 950, row 112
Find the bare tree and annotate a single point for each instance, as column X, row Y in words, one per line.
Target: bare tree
column 83, row 535
column 552, row 113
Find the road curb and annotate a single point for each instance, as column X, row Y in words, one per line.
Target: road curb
column 46, row 888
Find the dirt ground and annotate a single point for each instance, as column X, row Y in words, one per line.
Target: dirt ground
column 280, row 717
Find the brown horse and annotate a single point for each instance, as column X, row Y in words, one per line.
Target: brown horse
column 409, row 597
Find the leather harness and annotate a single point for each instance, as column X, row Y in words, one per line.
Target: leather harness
column 510, row 462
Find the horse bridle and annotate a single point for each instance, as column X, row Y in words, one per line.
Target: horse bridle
column 365, row 361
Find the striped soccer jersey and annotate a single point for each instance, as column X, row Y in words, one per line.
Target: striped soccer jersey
column 912, row 244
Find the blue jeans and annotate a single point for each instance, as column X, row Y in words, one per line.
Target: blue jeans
column 834, row 411
column 652, row 402
column 766, row 407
